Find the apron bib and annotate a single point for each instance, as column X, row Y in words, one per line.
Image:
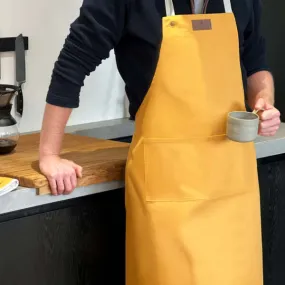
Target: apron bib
column 192, row 196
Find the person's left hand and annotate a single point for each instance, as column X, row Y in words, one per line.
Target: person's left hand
column 269, row 118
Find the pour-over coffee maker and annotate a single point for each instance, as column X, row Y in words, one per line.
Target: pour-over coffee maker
column 9, row 133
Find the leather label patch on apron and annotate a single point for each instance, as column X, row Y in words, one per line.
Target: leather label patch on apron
column 201, row 25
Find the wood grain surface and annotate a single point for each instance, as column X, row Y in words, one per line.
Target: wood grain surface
column 102, row 161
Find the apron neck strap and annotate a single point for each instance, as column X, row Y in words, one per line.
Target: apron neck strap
column 169, row 7
column 228, row 6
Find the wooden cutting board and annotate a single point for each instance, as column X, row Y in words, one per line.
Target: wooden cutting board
column 102, row 161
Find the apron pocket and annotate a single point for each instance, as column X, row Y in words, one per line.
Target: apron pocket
column 198, row 169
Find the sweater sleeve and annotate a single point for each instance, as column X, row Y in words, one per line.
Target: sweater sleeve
column 92, row 36
column 254, row 55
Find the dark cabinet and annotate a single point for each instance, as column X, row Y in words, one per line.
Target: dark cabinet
column 272, row 192
column 79, row 244
column 273, row 25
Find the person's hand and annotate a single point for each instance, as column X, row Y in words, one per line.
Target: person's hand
column 62, row 174
column 269, row 118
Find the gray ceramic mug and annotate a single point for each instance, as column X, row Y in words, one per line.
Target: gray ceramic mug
column 242, row 126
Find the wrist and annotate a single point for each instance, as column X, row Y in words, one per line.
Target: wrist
column 49, row 149
column 266, row 99
column 45, row 155
column 260, row 85
column 50, row 144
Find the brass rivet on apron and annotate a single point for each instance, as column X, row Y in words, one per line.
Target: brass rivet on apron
column 172, row 23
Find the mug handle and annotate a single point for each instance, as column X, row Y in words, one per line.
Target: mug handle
column 256, row 111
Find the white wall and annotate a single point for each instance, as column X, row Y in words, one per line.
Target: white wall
column 46, row 23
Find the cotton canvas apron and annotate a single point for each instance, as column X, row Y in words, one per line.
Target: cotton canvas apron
column 192, row 196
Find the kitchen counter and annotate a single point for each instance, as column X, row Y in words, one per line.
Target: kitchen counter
column 24, row 198
column 271, row 146
column 265, row 146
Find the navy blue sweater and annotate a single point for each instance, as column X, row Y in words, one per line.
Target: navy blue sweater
column 133, row 29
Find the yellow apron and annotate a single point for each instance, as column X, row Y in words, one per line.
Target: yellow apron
column 192, row 196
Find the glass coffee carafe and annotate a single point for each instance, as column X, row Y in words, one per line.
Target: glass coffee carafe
column 9, row 133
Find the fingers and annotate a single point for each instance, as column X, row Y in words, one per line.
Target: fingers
column 269, row 114
column 61, row 174
column 270, row 122
column 78, row 170
column 53, row 185
column 63, row 182
column 261, row 104
column 268, row 132
column 74, row 180
column 60, row 185
column 68, row 185
column 66, row 182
